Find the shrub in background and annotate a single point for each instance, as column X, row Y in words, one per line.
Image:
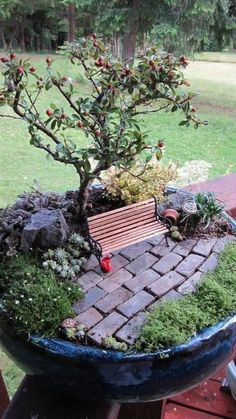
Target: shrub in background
column 140, row 183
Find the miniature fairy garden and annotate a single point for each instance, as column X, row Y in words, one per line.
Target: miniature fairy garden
column 144, row 297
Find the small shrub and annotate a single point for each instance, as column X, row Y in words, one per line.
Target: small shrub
column 34, row 300
column 174, row 322
column 139, row 184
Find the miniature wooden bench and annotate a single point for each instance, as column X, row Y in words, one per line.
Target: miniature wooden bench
column 127, row 225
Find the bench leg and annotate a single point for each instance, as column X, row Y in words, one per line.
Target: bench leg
column 166, row 238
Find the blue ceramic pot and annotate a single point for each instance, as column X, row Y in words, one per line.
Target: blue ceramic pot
column 94, row 374
column 90, row 373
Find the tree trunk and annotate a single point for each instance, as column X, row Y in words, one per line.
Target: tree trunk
column 129, row 42
column 3, row 39
column 129, row 39
column 71, row 22
column 117, row 45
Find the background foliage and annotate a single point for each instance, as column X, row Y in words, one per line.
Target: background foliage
column 186, row 25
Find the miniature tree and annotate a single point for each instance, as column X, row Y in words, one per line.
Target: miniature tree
column 107, row 116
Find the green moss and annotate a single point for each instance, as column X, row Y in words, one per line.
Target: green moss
column 34, row 299
column 174, row 322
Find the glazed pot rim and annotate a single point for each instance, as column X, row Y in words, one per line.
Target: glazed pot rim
column 66, row 349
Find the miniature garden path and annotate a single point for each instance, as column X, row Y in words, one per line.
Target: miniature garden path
column 143, row 275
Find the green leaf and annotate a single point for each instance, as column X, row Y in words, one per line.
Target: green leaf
column 87, row 165
column 183, row 122
column 53, row 124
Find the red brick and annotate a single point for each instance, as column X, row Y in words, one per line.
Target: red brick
column 135, row 250
column 138, row 282
column 191, row 283
column 115, row 280
column 91, row 263
column 89, row 317
column 107, row 327
column 164, row 284
column 129, row 332
column 185, row 247
column 117, row 262
column 189, row 265
column 161, row 249
column 210, row 263
column 90, row 298
column 120, row 295
column 137, row 303
column 167, row 263
column 89, row 280
column 141, row 263
column 204, row 246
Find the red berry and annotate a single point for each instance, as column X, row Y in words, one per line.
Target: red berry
column 20, row 70
column 49, row 112
column 4, row 59
column 193, row 110
column 94, row 35
column 101, row 61
column 63, row 115
column 97, row 63
column 32, row 69
column 108, row 66
column 98, row 133
column 64, row 78
column 80, row 124
column 13, row 56
column 95, row 44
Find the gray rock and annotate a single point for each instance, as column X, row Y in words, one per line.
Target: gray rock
column 46, row 229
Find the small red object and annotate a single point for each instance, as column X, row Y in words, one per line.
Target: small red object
column 106, row 264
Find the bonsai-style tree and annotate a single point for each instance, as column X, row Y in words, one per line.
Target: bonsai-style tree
column 107, row 116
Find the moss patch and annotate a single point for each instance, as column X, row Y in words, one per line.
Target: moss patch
column 34, row 299
column 174, row 322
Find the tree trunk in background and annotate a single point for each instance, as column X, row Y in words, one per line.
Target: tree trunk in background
column 129, row 39
column 117, row 45
column 71, row 22
column 129, row 42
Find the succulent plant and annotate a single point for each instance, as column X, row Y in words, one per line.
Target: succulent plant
column 67, row 261
column 111, row 343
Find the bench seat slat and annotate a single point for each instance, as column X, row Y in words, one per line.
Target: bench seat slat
column 128, row 242
column 134, row 233
column 123, row 209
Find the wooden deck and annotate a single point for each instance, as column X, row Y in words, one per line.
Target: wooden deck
column 206, row 401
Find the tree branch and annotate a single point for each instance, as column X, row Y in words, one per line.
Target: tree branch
column 10, row 116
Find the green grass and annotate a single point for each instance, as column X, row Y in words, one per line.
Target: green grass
column 174, row 322
column 223, row 57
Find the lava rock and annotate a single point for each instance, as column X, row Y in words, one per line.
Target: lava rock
column 46, row 229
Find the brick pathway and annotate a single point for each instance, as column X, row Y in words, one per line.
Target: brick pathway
column 143, row 275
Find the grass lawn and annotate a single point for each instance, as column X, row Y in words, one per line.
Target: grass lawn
column 215, row 81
